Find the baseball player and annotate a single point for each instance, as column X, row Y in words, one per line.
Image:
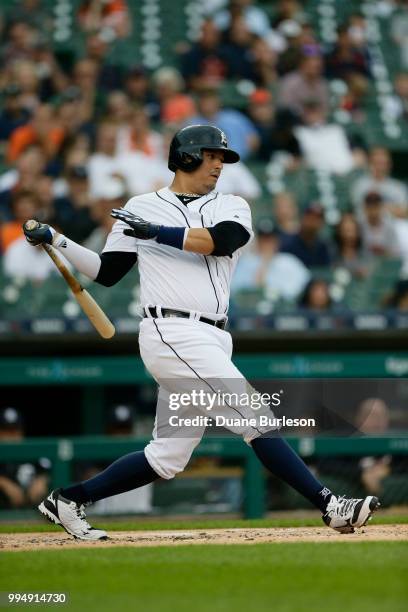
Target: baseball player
column 186, row 239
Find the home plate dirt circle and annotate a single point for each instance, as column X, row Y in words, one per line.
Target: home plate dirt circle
column 55, row 540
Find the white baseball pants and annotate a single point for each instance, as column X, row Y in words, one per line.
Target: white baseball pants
column 181, row 353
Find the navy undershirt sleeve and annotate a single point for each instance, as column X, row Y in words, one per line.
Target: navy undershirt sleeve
column 228, row 236
column 114, row 266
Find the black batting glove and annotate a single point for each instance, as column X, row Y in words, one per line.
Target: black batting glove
column 38, row 233
column 140, row 228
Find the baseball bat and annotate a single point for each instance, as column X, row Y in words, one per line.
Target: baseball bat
column 92, row 310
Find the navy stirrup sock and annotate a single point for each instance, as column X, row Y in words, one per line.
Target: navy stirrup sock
column 127, row 473
column 276, row 455
column 133, row 471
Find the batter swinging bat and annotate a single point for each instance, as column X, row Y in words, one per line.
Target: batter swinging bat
column 94, row 312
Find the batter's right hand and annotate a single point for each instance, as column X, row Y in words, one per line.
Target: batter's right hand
column 38, row 233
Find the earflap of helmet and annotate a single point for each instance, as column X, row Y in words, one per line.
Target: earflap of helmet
column 186, row 161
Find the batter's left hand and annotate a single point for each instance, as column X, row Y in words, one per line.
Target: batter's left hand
column 140, row 228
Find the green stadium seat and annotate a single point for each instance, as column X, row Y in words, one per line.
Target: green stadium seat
column 248, row 299
column 115, row 302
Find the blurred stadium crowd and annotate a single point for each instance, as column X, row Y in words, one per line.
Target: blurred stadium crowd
column 83, row 127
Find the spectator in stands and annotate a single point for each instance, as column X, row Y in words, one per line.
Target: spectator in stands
column 241, row 133
column 138, row 136
column 378, row 228
column 175, row 106
column 373, row 419
column 286, row 215
column 138, row 87
column 45, row 194
column 104, row 161
column 288, row 9
column 306, row 83
column 24, row 484
column 354, row 99
column 378, row 179
column 264, row 60
column 23, row 177
column 399, row 297
column 119, row 112
column 265, row 267
column 373, row 416
column 99, row 50
column 282, row 138
column 111, row 17
column 118, row 108
column 307, row 245
column 76, row 154
column 261, row 111
column 346, row 59
column 290, row 56
column 74, row 209
column 52, row 78
column 112, row 195
column 401, row 90
column 316, row 296
column 85, row 77
column 401, row 230
column 24, row 206
column 238, row 41
column 70, row 116
column 33, row 13
column 13, row 114
column 120, row 154
column 255, row 17
column 238, row 179
column 358, row 31
column 42, row 130
column 142, row 173
column 21, row 38
column 397, row 105
column 324, row 146
column 349, row 247
column 206, row 64
column 24, row 74
column 167, row 132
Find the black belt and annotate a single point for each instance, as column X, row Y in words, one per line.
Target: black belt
column 170, row 312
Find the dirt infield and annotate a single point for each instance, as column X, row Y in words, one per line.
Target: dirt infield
column 55, row 540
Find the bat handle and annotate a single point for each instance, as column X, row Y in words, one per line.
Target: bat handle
column 74, row 285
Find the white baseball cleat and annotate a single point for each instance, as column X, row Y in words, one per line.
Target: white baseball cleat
column 344, row 514
column 70, row 516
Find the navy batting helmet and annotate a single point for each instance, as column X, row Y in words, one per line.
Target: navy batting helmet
column 186, row 148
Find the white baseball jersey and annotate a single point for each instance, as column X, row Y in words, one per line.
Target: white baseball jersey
column 185, row 354
column 172, row 278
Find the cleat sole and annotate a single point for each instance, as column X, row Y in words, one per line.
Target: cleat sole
column 90, row 539
column 53, row 519
column 345, row 530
